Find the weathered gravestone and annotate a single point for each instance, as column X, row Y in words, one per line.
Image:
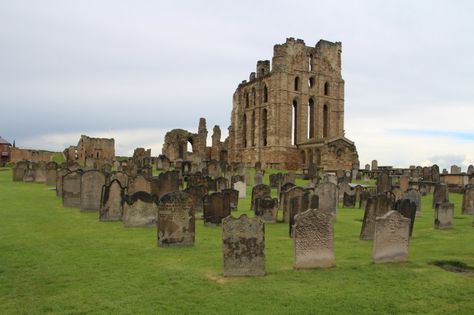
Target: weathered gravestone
column 259, row 191
column 40, row 172
column 470, row 170
column 233, row 195
column 384, row 183
column 275, row 180
column 71, row 189
column 221, row 183
column 444, row 214
column 468, row 200
column 30, row 173
column 375, row 165
column 327, row 193
column 455, row 169
column 258, row 179
column 408, row 209
column 111, row 207
column 343, row 187
column 210, row 183
column 167, row 182
column 293, row 192
column 281, row 193
column 314, row 239
column 19, row 171
column 59, row 181
column 435, row 173
column 121, row 177
column 241, row 188
column 216, row 208
column 91, row 190
column 51, row 171
column 364, row 196
column 267, row 209
column 139, row 183
column 197, row 193
column 440, row 194
column 140, row 210
column 377, row 206
column 415, row 196
column 349, row 200
column 404, row 183
column 176, row 222
column 391, row 238
column 243, row 246
column 236, row 178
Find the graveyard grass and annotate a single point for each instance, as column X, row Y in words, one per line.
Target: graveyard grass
column 56, row 259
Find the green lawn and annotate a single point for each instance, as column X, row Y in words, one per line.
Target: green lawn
column 55, row 259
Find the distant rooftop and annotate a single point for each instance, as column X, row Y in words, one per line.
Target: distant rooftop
column 3, row 141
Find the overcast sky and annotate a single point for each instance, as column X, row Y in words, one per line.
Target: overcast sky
column 134, row 69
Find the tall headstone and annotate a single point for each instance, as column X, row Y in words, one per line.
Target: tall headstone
column 404, row 183
column 468, row 200
column 444, row 214
column 242, row 188
column 71, row 189
column 375, row 165
column 176, row 222
column 91, row 190
column 440, row 194
column 140, row 210
column 111, row 208
column 384, row 183
column 391, row 238
column 314, row 239
column 415, row 196
column 243, row 246
column 327, row 193
column 216, row 208
column 377, row 206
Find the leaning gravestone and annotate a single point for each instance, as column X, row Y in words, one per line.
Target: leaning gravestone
column 216, row 208
column 267, row 209
column 377, row 206
column 71, row 189
column 111, row 208
column 327, row 193
column 440, row 194
column 259, row 191
column 243, row 246
column 139, row 210
column 176, row 222
column 313, row 237
column 468, row 200
column 391, row 238
column 444, row 213
column 242, row 188
column 91, row 190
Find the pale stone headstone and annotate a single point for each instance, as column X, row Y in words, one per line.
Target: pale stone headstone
column 111, row 208
column 468, row 200
column 391, row 238
column 327, row 193
column 404, row 183
column 314, row 239
column 140, row 210
column 176, row 222
column 71, row 189
column 444, row 214
column 243, row 246
column 91, row 190
column 242, row 188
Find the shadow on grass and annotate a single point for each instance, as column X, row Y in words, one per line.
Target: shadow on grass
column 454, row 266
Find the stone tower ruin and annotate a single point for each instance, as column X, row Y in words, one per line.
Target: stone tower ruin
column 291, row 114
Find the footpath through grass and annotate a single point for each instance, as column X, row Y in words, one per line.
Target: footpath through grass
column 55, row 259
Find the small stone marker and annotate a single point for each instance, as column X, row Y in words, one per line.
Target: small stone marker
column 139, row 210
column 313, row 237
column 176, row 222
column 243, row 246
column 391, row 238
column 444, row 214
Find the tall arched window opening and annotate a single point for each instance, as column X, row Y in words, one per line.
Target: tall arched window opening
column 265, row 93
column 294, row 119
column 264, row 126
column 244, row 129
column 254, row 97
column 325, row 121
column 310, row 118
column 297, row 84
column 326, row 88
column 253, row 129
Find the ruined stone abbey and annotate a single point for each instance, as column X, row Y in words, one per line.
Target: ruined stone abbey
column 288, row 115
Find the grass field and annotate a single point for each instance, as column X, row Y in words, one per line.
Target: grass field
column 58, row 260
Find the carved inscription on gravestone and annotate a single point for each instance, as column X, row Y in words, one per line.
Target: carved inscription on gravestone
column 176, row 222
column 314, row 239
column 243, row 246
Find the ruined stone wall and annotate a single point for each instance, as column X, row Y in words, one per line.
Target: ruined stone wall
column 96, row 148
column 306, row 83
column 17, row 154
